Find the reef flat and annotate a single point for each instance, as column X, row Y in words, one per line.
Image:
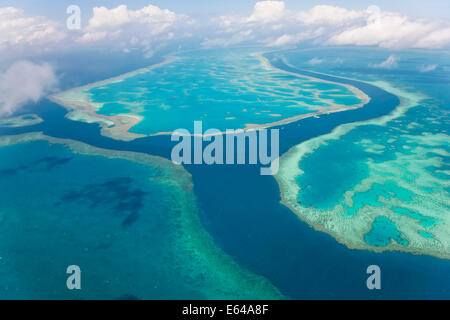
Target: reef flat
column 226, row 89
column 80, row 108
column 20, row 121
column 133, row 230
column 386, row 180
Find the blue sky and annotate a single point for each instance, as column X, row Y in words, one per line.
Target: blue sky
column 55, row 9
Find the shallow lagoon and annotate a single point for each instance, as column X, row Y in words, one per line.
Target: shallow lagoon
column 226, row 89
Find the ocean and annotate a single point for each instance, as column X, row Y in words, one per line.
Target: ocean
column 241, row 210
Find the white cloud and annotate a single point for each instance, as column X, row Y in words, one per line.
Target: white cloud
column 267, row 11
column 234, row 39
column 23, row 82
column 293, row 39
column 283, row 40
column 20, row 30
column 390, row 62
column 428, row 68
column 92, row 36
column 330, row 15
column 104, row 17
column 386, row 29
column 265, row 25
column 136, row 27
column 22, row 35
column 150, row 16
column 315, row 61
column 270, row 23
column 276, row 25
column 436, row 39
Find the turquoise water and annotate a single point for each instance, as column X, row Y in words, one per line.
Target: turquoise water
column 425, row 234
column 400, row 166
column 101, row 214
column 383, row 230
column 325, row 195
column 424, row 221
column 226, row 89
column 132, row 229
column 387, row 190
